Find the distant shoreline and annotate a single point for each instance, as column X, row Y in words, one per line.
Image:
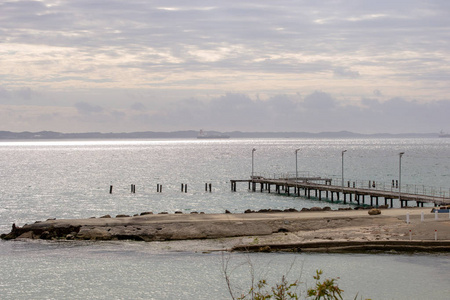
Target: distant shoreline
column 192, row 134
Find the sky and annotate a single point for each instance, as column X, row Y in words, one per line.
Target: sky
column 139, row 65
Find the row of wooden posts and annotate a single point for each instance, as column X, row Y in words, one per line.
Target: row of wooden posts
column 184, row 188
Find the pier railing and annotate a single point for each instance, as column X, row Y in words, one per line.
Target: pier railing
column 392, row 186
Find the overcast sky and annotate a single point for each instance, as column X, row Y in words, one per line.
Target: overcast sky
column 140, row 65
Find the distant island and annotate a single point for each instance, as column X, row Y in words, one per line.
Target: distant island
column 192, row 134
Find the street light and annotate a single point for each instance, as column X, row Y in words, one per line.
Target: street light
column 400, row 177
column 253, row 151
column 296, row 169
column 343, row 169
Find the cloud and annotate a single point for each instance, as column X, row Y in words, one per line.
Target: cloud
column 343, row 72
column 140, row 64
column 139, row 106
column 86, row 108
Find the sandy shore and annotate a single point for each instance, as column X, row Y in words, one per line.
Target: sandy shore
column 350, row 230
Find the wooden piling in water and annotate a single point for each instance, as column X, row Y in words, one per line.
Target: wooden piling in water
column 110, row 189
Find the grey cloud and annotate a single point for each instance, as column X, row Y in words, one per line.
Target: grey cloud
column 86, row 108
column 319, row 101
column 318, row 111
column 344, row 72
column 24, row 94
column 139, row 106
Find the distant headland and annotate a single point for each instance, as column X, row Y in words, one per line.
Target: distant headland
column 192, row 134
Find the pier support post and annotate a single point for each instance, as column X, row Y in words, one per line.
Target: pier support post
column 110, row 189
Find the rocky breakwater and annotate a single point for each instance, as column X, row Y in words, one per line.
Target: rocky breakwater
column 264, row 230
column 178, row 226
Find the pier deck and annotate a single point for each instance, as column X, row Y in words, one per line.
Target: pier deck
column 356, row 195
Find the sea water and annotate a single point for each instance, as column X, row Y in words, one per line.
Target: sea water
column 71, row 179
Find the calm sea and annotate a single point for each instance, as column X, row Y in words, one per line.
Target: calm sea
column 71, row 179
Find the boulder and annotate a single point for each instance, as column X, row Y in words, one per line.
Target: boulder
column 290, row 210
column 374, row 211
column 26, row 235
column 122, row 216
column 315, row 208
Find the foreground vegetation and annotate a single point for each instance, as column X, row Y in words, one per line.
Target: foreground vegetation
column 326, row 289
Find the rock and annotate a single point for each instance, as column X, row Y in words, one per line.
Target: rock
column 315, row 209
column 374, row 211
column 93, row 234
column 122, row 216
column 227, row 211
column 70, row 237
column 163, row 213
column 326, row 208
column 105, row 217
column 291, row 210
column 46, row 235
column 146, row 213
column 178, row 212
column 305, row 209
column 26, row 235
column 194, row 213
column 248, row 211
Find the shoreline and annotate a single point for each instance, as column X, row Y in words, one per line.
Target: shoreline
column 321, row 231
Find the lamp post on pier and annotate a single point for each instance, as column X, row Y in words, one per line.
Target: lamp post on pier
column 343, row 169
column 253, row 156
column 400, row 178
column 296, row 169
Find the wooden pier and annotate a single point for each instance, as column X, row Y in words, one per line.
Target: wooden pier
column 323, row 187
